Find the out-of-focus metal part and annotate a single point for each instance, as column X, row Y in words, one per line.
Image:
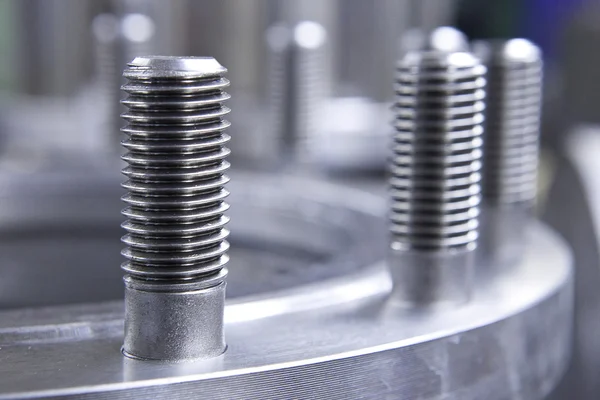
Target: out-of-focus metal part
column 362, row 43
column 511, row 341
column 297, row 85
column 573, row 208
column 511, row 145
column 435, row 176
column 369, row 40
column 128, row 31
column 45, row 88
column 429, row 14
column 58, row 105
column 177, row 247
column 53, row 56
column 576, row 58
column 240, row 27
column 137, row 28
column 443, row 38
column 107, row 75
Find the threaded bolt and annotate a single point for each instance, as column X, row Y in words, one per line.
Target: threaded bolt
column 435, row 176
column 511, row 145
column 176, row 241
column 297, row 84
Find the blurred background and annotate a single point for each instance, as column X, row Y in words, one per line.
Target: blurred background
column 311, row 86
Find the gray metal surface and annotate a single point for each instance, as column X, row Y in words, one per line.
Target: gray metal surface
column 434, row 176
column 442, row 38
column 572, row 197
column 511, row 342
column 176, row 211
column 511, row 145
column 310, row 232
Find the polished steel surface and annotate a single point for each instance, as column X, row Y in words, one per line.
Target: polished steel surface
column 176, row 237
column 511, row 341
column 511, row 145
column 434, row 176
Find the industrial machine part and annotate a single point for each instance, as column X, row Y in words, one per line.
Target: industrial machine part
column 297, row 85
column 310, row 232
column 355, row 129
column 575, row 196
column 55, row 109
column 511, row 144
column 118, row 38
column 309, row 318
column 442, row 38
column 435, row 179
column 338, row 333
column 176, row 240
column 333, row 338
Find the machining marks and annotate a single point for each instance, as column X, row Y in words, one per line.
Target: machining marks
column 436, row 152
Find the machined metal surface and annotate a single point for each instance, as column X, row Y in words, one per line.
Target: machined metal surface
column 310, row 232
column 336, row 339
column 435, row 179
column 176, row 237
column 511, row 145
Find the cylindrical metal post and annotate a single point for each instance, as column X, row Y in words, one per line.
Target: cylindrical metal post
column 176, row 241
column 511, row 143
column 435, row 177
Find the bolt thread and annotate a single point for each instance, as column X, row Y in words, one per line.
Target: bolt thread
column 436, row 152
column 512, row 127
column 176, row 170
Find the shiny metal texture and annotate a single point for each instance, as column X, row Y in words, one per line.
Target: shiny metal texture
column 435, row 176
column 176, row 238
column 335, row 339
column 511, row 145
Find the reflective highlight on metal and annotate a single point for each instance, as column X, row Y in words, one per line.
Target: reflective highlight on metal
column 443, row 38
column 176, row 241
column 511, row 341
column 434, row 176
column 512, row 129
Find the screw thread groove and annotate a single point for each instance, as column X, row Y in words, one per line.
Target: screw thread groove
column 176, row 169
column 512, row 121
column 436, row 152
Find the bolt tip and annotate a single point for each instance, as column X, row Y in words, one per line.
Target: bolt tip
column 436, row 58
column 507, row 51
column 174, row 67
column 443, row 38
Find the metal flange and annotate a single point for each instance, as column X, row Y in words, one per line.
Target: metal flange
column 335, row 338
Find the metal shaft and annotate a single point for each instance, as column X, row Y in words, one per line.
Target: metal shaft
column 176, row 240
column 297, row 87
column 434, row 177
column 514, row 75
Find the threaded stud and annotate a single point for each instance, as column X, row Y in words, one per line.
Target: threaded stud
column 511, row 146
column 435, row 176
column 176, row 238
